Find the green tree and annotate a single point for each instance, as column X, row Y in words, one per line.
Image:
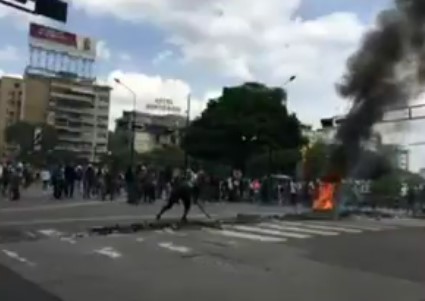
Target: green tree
column 246, row 120
column 276, row 162
column 118, row 142
column 315, row 161
column 167, row 156
column 22, row 134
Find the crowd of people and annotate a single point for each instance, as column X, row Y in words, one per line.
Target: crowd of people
column 145, row 184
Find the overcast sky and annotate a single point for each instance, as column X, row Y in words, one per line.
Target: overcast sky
column 170, row 48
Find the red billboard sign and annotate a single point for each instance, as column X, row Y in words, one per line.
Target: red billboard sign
column 53, row 35
column 53, row 39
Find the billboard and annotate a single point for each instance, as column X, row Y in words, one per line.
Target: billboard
column 163, row 104
column 52, row 39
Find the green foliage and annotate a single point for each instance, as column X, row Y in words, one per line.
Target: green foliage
column 275, row 162
column 315, row 161
column 118, row 142
column 168, row 156
column 21, row 134
column 250, row 110
column 387, row 186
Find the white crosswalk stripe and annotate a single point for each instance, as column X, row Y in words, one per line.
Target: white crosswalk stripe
column 174, row 248
column 243, row 235
column 335, row 227
column 280, row 231
column 348, row 225
column 298, row 229
column 270, row 232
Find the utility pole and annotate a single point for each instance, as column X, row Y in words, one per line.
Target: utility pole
column 132, row 125
column 186, row 156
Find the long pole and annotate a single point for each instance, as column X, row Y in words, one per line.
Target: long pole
column 133, row 129
column 132, row 125
column 186, row 156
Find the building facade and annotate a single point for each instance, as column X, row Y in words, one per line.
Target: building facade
column 79, row 110
column 152, row 131
column 11, row 94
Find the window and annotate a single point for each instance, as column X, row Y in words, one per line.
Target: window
column 17, row 85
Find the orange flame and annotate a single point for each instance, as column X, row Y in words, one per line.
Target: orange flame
column 325, row 200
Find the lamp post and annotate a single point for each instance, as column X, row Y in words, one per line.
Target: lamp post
column 289, row 80
column 186, row 155
column 132, row 127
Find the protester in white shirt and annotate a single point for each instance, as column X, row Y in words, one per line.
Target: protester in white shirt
column 45, row 178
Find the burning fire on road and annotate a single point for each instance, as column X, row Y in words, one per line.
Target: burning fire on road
column 388, row 70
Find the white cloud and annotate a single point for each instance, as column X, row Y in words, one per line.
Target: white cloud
column 103, row 51
column 162, row 56
column 9, row 54
column 147, row 88
column 21, row 20
column 264, row 41
column 125, row 57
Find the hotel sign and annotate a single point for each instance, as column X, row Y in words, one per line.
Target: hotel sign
column 163, row 104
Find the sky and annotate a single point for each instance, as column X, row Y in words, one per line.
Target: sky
column 172, row 48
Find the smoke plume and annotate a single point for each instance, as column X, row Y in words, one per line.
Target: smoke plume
column 387, row 71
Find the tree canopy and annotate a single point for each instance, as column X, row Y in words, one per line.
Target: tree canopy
column 246, row 120
column 22, row 134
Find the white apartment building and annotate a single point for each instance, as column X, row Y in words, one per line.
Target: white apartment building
column 79, row 110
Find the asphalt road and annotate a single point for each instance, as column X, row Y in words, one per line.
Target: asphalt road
column 275, row 260
column 37, row 210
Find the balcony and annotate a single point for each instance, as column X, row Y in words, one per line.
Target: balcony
column 77, row 110
column 72, row 97
column 81, row 89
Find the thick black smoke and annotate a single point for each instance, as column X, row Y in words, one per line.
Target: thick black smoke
column 385, row 72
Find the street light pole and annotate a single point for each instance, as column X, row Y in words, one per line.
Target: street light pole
column 290, row 79
column 132, row 125
column 186, row 156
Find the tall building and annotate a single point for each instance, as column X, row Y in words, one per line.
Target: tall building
column 78, row 109
column 152, row 131
column 10, row 106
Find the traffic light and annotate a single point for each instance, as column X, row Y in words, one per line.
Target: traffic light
column 54, row 9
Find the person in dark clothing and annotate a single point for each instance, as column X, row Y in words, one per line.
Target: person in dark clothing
column 130, row 180
column 58, row 182
column 88, row 181
column 108, row 185
column 70, row 177
column 411, row 197
column 6, row 179
column 15, row 183
column 181, row 190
